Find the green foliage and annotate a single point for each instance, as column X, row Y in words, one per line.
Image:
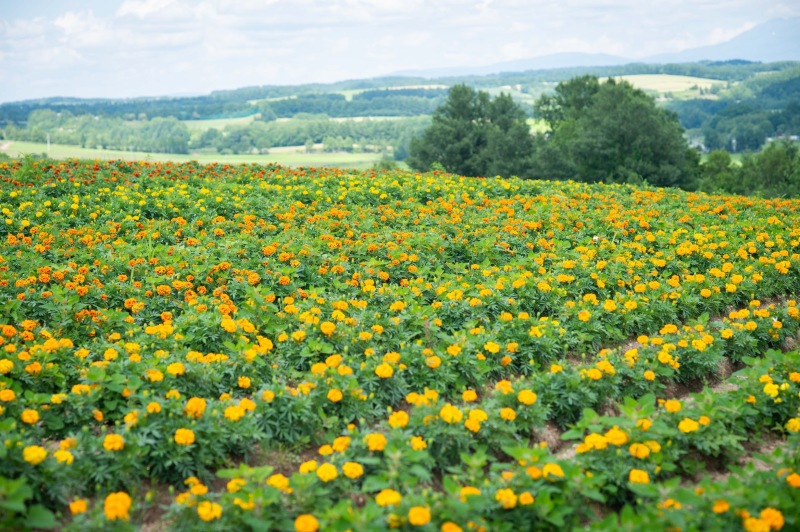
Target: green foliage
column 612, row 132
column 774, row 172
column 473, row 135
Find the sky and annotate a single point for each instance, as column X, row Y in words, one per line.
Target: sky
column 131, row 48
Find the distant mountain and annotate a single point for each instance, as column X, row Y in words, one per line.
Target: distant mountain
column 775, row 40
column 542, row 62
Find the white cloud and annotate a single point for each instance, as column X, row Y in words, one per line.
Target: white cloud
column 179, row 46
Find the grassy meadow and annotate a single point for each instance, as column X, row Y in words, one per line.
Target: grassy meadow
column 286, row 156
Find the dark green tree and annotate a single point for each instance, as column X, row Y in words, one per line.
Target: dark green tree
column 473, row 135
column 612, row 132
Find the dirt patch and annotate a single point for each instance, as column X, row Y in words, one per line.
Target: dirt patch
column 551, row 435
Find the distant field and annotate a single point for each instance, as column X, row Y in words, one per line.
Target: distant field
column 219, row 123
column 667, row 82
column 286, row 156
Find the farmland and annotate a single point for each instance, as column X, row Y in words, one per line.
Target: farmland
column 286, row 155
column 204, row 345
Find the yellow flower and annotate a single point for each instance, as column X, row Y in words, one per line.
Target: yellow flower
column 638, row 476
column 234, row 413
column 235, row 484
column 720, row 506
column 469, row 396
column 525, row 498
column 335, row 395
column 117, row 505
column 384, row 371
column 793, row 425
column 616, row 436
column 280, row 482
column 184, row 437
column 450, row 414
column 388, row 497
column 375, row 441
column 506, row 497
column 639, row 450
column 556, row 368
column 34, row 454
column 78, row 506
column 209, row 511
column 526, row 397
column 450, row 526
column 398, row 419
column 419, row 515
column 308, row 466
column 153, row 407
column 29, row 416
column 773, row 517
column 113, row 442
column 508, row 414
column 688, row 425
column 649, row 375
column 418, row 443
column 793, row 480
column 195, row 407
column 552, row 470
column 327, row 472
column 306, row 523
column 672, row 406
column 352, row 470
column 64, row 457
column 341, row 443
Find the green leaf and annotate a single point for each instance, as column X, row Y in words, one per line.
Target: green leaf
column 40, row 517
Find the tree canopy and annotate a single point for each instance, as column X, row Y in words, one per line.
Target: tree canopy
column 612, row 132
column 474, row 135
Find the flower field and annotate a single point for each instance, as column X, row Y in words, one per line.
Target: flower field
column 224, row 347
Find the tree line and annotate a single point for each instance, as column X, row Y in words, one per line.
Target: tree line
column 597, row 132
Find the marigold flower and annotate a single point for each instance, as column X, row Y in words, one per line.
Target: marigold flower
column 335, row 395
column 672, row 406
column 773, row 517
column 639, row 450
column 526, row 397
column 638, row 476
column 384, row 371
column 34, row 454
column 526, row 498
column 469, row 396
column 29, row 416
column 688, row 425
column 720, row 506
column 113, row 442
column 418, row 443
column 508, row 414
column 506, row 497
column 419, row 515
column 552, row 470
column 78, row 506
column 327, row 472
column 388, row 497
column 306, row 523
column 195, row 407
column 184, row 437
column 209, row 511
column 116, row 506
column 375, row 441
column 280, row 482
column 398, row 419
column 64, row 457
column 352, row 470
column 450, row 414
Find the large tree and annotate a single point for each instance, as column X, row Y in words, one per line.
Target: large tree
column 612, row 132
column 474, row 135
